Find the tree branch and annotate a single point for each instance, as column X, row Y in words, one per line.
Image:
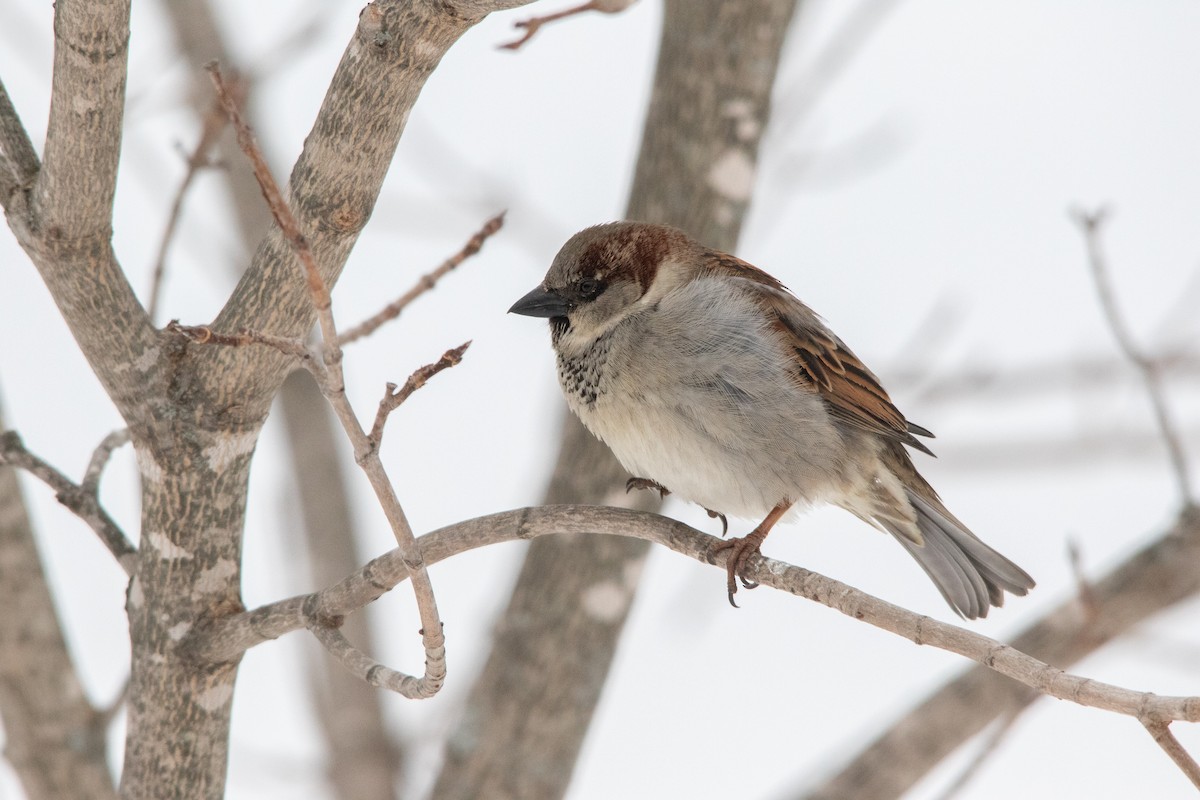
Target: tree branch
column 227, row 638
column 75, row 188
column 424, row 284
column 1090, row 224
column 80, row 500
column 210, row 130
column 99, row 460
column 65, row 222
column 1156, row 577
column 1161, row 733
column 532, row 25
column 393, row 397
column 371, row 671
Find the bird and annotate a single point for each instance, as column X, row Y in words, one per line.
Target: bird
column 709, row 379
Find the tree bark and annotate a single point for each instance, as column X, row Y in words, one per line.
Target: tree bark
column 55, row 739
column 364, row 763
column 529, row 710
column 194, row 413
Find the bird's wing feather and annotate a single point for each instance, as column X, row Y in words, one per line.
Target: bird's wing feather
column 852, row 391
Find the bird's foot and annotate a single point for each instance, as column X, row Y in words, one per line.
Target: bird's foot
column 740, row 549
column 646, row 483
column 724, row 522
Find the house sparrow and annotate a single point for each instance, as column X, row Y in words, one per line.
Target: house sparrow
column 708, row 378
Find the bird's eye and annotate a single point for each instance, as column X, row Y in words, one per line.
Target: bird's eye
column 589, row 288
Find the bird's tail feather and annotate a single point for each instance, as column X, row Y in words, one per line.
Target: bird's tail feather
column 969, row 574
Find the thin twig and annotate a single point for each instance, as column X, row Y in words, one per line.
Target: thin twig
column 202, row 334
column 214, row 123
column 228, row 637
column 989, row 747
column 531, row 25
column 370, row 670
column 1161, row 733
column 1090, row 223
column 81, row 502
column 333, row 386
column 279, row 208
column 100, row 458
column 425, row 284
column 392, row 398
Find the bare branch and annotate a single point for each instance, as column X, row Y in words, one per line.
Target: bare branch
column 1161, row 733
column 81, row 502
column 228, row 637
column 425, row 284
column 213, row 124
column 392, row 398
column 1090, row 223
column 986, row 751
column 531, row 25
column 1156, row 577
column 99, row 460
column 368, row 669
column 967, row 381
column 284, row 218
column 75, row 187
column 18, row 162
column 202, row 334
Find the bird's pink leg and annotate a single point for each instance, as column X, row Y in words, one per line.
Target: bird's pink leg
column 742, row 547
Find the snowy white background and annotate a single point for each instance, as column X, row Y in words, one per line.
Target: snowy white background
column 927, row 184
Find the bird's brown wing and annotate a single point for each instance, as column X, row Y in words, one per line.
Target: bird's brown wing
column 823, row 361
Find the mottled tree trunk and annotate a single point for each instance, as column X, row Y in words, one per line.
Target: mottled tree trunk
column 194, row 412
column 530, row 709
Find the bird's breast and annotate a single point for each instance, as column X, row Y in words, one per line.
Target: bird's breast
column 584, row 375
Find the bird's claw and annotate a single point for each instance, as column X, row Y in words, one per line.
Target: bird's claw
column 741, row 548
column 646, row 483
column 724, row 522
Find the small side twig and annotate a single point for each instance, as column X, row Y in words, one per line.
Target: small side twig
column 393, row 397
column 80, row 501
column 990, row 745
column 202, row 334
column 1090, row 224
column 370, row 670
column 531, row 25
column 100, row 458
column 1161, row 733
column 214, row 123
column 425, row 284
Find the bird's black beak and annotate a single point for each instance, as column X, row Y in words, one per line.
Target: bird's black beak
column 541, row 303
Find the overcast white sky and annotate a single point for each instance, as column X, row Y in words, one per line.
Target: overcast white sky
column 918, row 201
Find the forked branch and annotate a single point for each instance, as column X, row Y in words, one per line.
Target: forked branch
column 81, row 499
